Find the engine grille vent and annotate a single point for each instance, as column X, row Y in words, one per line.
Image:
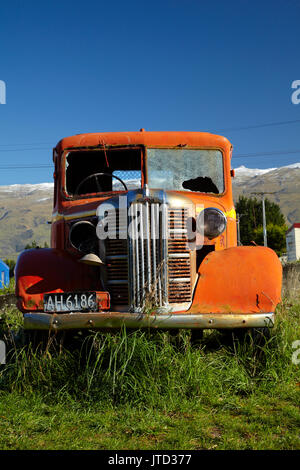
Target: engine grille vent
column 157, row 261
column 117, row 263
column 179, row 262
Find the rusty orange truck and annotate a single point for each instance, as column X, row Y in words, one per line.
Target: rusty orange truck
column 144, row 235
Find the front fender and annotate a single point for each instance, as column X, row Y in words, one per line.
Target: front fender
column 243, row 279
column 44, row 270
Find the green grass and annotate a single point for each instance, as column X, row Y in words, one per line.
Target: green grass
column 10, row 289
column 136, row 390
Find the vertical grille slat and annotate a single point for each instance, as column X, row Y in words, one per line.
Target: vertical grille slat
column 150, row 249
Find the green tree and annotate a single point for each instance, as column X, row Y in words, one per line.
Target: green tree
column 31, row 245
column 275, row 235
column 34, row 244
column 251, row 223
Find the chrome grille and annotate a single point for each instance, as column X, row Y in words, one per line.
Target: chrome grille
column 154, row 260
column 148, row 252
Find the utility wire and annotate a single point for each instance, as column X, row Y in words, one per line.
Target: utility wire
column 245, row 155
column 266, row 154
column 24, row 150
column 23, row 167
column 241, row 128
column 32, row 143
column 242, row 155
column 257, row 126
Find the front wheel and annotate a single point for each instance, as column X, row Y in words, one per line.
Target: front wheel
column 43, row 340
column 196, row 337
column 253, row 336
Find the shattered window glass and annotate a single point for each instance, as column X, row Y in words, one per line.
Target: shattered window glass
column 186, row 170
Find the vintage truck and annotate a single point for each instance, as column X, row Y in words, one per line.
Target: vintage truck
column 144, row 235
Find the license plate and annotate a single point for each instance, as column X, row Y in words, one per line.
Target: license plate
column 71, row 302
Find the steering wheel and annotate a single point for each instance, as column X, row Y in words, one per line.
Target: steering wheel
column 96, row 175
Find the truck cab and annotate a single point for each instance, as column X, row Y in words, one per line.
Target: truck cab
column 143, row 234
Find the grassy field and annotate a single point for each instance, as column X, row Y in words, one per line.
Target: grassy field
column 136, row 390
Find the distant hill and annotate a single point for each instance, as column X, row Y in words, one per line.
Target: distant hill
column 25, row 209
column 284, row 181
column 24, row 212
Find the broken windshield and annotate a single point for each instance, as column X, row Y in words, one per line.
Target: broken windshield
column 186, row 170
column 98, row 171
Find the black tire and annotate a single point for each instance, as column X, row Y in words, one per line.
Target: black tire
column 196, row 337
column 40, row 340
column 176, row 338
column 35, row 339
column 254, row 336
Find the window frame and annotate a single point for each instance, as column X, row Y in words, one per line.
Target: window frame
column 221, row 150
column 67, row 151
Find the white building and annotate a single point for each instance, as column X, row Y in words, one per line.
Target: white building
column 293, row 242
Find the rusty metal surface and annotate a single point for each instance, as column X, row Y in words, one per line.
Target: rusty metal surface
column 46, row 270
column 243, row 279
column 43, row 321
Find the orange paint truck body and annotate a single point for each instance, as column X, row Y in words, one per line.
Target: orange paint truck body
column 144, row 235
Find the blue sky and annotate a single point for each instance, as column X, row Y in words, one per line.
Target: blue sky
column 73, row 67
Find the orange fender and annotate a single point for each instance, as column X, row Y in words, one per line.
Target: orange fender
column 44, row 270
column 243, row 279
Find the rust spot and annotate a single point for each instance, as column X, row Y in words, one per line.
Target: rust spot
column 30, row 303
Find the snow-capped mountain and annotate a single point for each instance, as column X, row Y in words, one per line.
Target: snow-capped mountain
column 284, row 182
column 17, row 190
column 242, row 172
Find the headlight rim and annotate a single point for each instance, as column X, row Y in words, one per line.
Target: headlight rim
column 219, row 211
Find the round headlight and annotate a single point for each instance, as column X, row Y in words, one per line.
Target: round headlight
column 83, row 237
column 212, row 222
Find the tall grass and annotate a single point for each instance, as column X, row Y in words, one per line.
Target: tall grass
column 10, row 289
column 155, row 369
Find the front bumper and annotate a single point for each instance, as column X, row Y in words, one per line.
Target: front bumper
column 78, row 321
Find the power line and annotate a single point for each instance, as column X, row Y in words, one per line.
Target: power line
column 266, row 154
column 23, row 167
column 257, row 126
column 32, row 143
column 241, row 155
column 245, row 155
column 24, row 150
column 240, row 128
column 253, row 155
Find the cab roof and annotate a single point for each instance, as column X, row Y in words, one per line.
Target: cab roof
column 150, row 139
